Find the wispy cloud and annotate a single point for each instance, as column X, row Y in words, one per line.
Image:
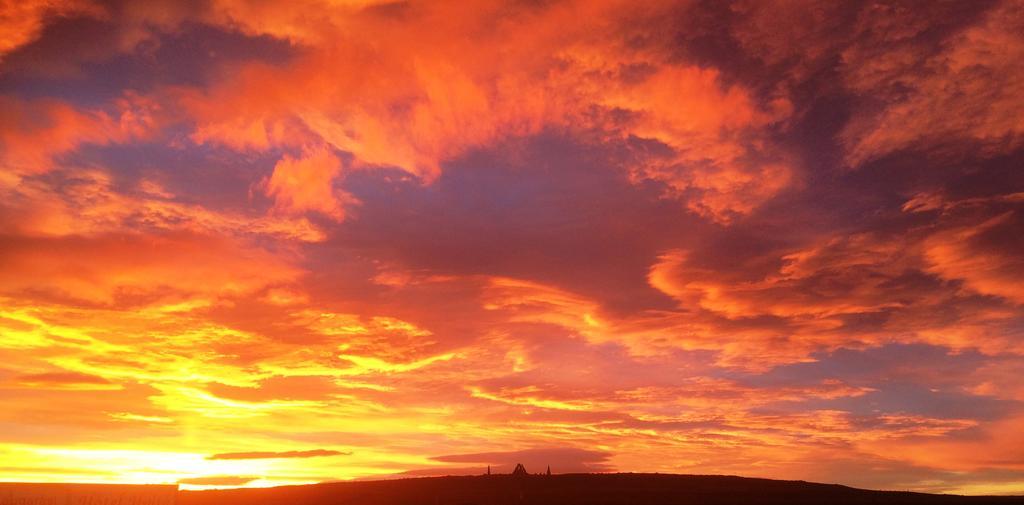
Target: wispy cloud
column 218, row 480
column 313, row 453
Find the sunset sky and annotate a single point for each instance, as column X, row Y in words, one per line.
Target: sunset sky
column 261, row 243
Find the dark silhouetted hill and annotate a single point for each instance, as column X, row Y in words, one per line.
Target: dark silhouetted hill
column 574, row 489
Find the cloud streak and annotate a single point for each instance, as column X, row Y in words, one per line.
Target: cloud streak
column 313, row 453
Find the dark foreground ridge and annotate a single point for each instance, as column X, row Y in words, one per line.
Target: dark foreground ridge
column 570, row 489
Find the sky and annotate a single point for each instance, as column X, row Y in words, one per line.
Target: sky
column 254, row 243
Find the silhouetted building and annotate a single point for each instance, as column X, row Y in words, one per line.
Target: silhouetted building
column 520, row 470
column 549, row 470
column 488, row 469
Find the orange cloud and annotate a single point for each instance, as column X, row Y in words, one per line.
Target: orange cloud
column 86, row 203
column 814, row 294
column 64, row 380
column 821, row 282
column 306, row 184
column 217, row 480
column 705, row 122
column 452, row 97
column 920, row 77
column 274, row 455
column 966, row 91
column 34, row 132
column 972, row 254
column 112, row 268
column 532, row 302
column 22, row 22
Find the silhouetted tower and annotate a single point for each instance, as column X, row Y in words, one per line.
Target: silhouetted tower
column 488, row 469
column 520, row 470
column 549, row 471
